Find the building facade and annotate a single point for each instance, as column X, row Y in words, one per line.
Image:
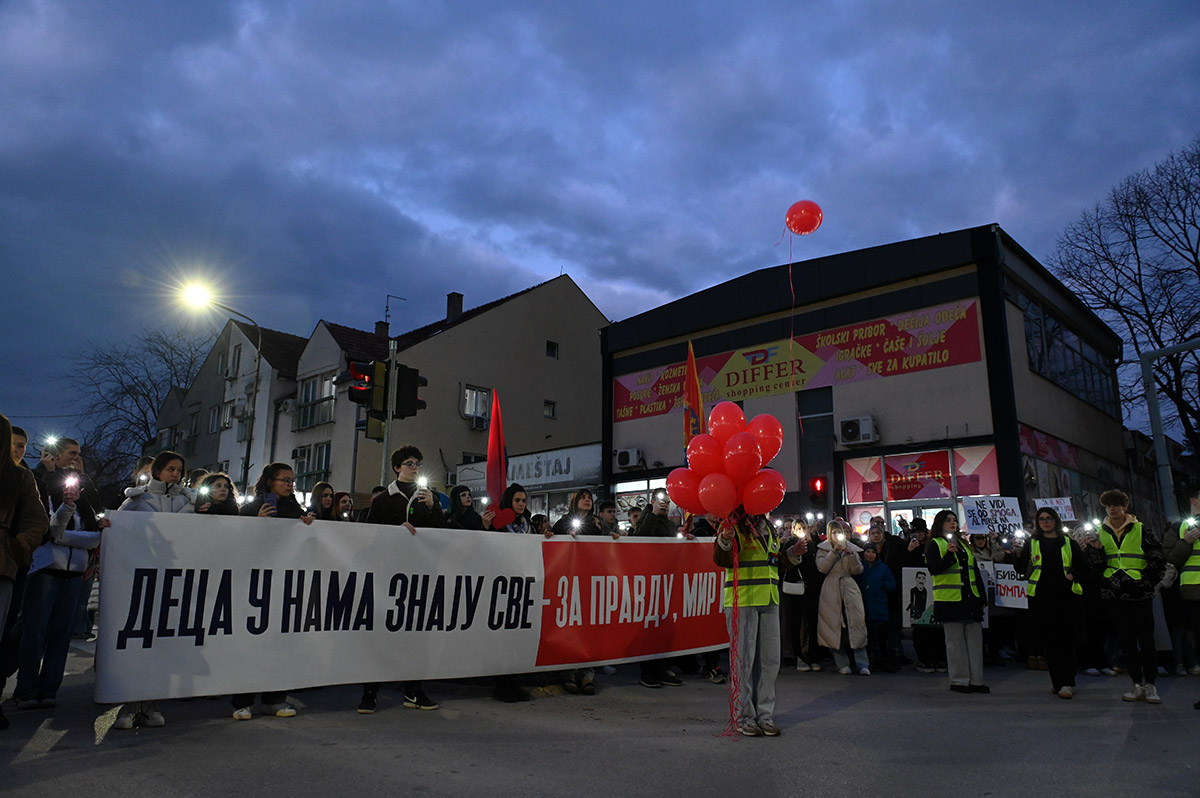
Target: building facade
column 909, row 375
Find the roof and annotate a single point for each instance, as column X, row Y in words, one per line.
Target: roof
column 282, row 350
column 364, row 345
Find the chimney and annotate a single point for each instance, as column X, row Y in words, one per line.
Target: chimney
column 453, row 305
column 381, row 329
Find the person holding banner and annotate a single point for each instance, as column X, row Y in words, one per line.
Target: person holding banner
column 343, row 505
column 409, row 503
column 217, row 496
column 1052, row 565
column 958, row 602
column 579, row 519
column 516, row 499
column 1130, row 560
column 755, row 660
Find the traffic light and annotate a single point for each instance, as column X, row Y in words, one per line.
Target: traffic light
column 368, row 383
column 820, row 491
column 409, row 381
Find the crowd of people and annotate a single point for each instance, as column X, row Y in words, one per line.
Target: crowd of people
column 799, row 594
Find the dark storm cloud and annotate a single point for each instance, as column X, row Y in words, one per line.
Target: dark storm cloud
column 314, row 157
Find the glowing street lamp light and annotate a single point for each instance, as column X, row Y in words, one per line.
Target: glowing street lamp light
column 198, row 296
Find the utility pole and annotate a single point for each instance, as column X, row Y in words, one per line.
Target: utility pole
column 1166, row 484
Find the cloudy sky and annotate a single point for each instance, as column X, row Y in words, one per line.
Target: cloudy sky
column 312, row 157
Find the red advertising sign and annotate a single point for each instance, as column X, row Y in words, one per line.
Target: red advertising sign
column 919, row 340
column 604, row 603
column 924, row 475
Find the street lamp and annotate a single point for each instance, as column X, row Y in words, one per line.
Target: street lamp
column 199, row 297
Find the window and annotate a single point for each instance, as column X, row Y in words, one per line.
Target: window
column 312, row 465
column 222, row 363
column 214, row 418
column 477, row 402
column 194, row 424
column 316, row 398
column 236, row 365
column 1059, row 354
column 552, row 349
column 549, row 409
column 227, row 415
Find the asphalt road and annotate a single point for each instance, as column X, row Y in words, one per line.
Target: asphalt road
column 887, row 734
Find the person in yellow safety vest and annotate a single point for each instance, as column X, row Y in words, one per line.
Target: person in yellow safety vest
column 1129, row 558
column 1185, row 555
column 761, row 555
column 958, row 602
column 1053, row 565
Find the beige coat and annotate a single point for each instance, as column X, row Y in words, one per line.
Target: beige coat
column 840, row 590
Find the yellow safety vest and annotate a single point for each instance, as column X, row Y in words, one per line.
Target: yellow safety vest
column 1128, row 556
column 1190, row 573
column 1035, row 552
column 947, row 586
column 757, row 577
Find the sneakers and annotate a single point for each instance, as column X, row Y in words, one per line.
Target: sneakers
column 960, row 688
column 419, row 701
column 750, row 729
column 769, row 729
column 153, row 719
column 1108, row 671
column 669, row 679
column 1138, row 693
column 608, row 670
column 803, row 666
column 279, row 710
column 865, row 672
column 1180, row 670
column 980, row 688
column 925, row 667
column 1152, row 695
column 47, row 702
column 1066, row 692
column 940, row 667
column 816, row 667
column 716, row 676
column 1162, row 671
column 124, row 720
column 651, row 683
column 587, row 688
column 367, row 705
column 244, row 713
column 1092, row 671
column 845, row 670
column 569, row 684
column 1194, row 670
column 28, row 702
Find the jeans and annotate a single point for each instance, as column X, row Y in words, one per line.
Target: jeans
column 842, row 660
column 756, row 661
column 48, row 610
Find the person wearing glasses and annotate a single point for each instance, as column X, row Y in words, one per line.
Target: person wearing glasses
column 1052, row 565
column 407, row 502
column 274, row 497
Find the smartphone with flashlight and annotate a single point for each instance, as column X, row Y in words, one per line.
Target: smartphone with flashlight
column 272, row 500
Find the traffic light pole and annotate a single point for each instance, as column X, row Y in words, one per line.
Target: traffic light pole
column 386, row 474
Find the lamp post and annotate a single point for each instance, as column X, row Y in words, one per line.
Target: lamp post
column 200, row 297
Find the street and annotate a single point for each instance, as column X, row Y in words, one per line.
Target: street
column 895, row 734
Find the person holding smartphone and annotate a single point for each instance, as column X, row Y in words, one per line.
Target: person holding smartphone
column 1051, row 565
column 958, row 602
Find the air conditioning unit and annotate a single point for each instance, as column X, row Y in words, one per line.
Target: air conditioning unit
column 861, row 431
column 289, row 406
column 629, row 458
column 296, row 454
column 239, row 410
column 479, row 422
column 230, row 375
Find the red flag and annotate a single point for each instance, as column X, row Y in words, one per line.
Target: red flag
column 693, row 405
column 497, row 457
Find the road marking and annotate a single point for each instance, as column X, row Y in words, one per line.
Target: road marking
column 104, row 723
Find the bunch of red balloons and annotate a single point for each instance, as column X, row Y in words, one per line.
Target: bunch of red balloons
column 725, row 467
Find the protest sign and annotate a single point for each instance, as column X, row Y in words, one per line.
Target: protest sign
column 987, row 515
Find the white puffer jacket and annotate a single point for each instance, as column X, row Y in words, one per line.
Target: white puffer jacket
column 158, row 497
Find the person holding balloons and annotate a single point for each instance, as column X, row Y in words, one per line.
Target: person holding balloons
column 725, row 479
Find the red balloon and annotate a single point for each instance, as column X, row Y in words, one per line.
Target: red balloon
column 503, row 518
column 725, row 421
column 804, row 217
column 743, row 457
column 764, row 492
column 705, row 454
column 682, row 484
column 718, row 494
column 769, row 432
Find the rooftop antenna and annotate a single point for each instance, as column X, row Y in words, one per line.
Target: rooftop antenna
column 387, row 307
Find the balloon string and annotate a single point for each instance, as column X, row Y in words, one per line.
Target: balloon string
column 792, row 327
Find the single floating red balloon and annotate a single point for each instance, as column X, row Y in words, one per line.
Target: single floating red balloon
column 803, row 217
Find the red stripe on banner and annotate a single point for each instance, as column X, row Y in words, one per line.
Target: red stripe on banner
column 605, row 603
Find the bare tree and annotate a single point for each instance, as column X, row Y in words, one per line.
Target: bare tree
column 1135, row 260
column 121, row 389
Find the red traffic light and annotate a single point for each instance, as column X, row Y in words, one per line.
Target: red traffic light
column 817, row 484
column 362, row 371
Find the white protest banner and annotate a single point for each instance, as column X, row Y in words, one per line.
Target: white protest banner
column 207, row 605
column 1010, row 587
column 985, row 515
column 1062, row 506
